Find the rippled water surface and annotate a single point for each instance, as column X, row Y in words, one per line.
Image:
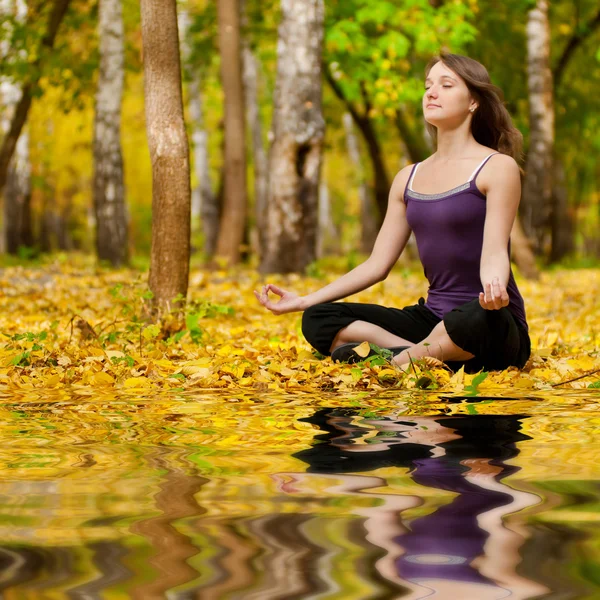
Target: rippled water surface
column 300, row 497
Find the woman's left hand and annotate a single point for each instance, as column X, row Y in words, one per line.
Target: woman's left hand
column 494, row 295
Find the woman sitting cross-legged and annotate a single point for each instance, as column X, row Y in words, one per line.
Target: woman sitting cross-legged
column 460, row 203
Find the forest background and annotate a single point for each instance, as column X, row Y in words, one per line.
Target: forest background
column 290, row 162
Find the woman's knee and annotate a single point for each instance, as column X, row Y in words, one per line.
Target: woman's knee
column 316, row 321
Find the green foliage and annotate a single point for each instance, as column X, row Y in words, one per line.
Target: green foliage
column 473, row 388
column 378, row 49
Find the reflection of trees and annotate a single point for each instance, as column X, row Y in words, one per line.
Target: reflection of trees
column 171, row 548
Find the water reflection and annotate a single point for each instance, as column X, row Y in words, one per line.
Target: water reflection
column 461, row 548
column 279, row 499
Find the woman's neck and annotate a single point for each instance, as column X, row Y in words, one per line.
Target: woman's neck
column 453, row 144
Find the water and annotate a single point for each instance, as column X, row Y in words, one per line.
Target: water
column 282, row 497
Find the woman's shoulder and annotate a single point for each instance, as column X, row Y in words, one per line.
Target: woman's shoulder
column 501, row 163
column 403, row 175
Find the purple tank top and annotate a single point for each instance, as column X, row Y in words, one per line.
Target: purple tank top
column 448, row 229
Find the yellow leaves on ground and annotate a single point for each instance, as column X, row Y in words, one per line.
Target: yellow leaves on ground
column 65, row 326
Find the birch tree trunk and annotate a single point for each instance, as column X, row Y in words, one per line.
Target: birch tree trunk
column 235, row 201
column 109, row 187
column 537, row 187
column 298, row 129
column 367, row 217
column 169, row 153
column 251, row 74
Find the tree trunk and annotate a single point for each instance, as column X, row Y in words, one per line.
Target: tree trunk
column 563, row 229
column 368, row 216
column 537, row 187
column 109, row 187
column 233, row 216
column 298, row 130
column 9, row 143
column 169, row 153
column 259, row 156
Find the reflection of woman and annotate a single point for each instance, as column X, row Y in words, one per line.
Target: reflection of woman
column 462, row 547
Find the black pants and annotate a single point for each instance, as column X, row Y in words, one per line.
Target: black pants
column 494, row 337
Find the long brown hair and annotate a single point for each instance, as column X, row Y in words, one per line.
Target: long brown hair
column 491, row 124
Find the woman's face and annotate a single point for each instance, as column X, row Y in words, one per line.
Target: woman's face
column 447, row 99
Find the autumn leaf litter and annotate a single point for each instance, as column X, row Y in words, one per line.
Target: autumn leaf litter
column 84, row 328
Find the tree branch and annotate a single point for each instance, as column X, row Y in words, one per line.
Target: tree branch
column 576, row 40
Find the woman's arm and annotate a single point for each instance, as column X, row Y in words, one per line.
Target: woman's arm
column 391, row 241
column 501, row 183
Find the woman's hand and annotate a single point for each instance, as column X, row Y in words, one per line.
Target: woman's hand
column 494, row 296
column 289, row 302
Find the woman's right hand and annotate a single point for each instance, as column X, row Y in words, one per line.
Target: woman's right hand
column 289, row 301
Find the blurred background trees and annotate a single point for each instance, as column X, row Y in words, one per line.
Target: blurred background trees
column 72, row 178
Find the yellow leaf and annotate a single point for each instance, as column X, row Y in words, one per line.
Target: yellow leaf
column 363, row 350
column 102, row 378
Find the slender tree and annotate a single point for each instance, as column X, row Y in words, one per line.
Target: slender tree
column 109, row 187
column 298, row 132
column 169, row 153
column 537, row 186
column 233, row 215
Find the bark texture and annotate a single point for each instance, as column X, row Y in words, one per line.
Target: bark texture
column 298, row 130
column 109, row 186
column 368, row 218
column 169, row 153
column 9, row 143
column 537, row 187
column 235, row 200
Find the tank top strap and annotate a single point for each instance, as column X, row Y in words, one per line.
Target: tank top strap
column 481, row 165
column 410, row 179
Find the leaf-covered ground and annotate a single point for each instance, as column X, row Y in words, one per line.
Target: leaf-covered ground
column 82, row 328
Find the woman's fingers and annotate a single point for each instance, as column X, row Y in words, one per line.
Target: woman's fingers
column 275, row 289
column 494, row 296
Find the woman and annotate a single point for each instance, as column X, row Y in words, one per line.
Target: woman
column 461, row 204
